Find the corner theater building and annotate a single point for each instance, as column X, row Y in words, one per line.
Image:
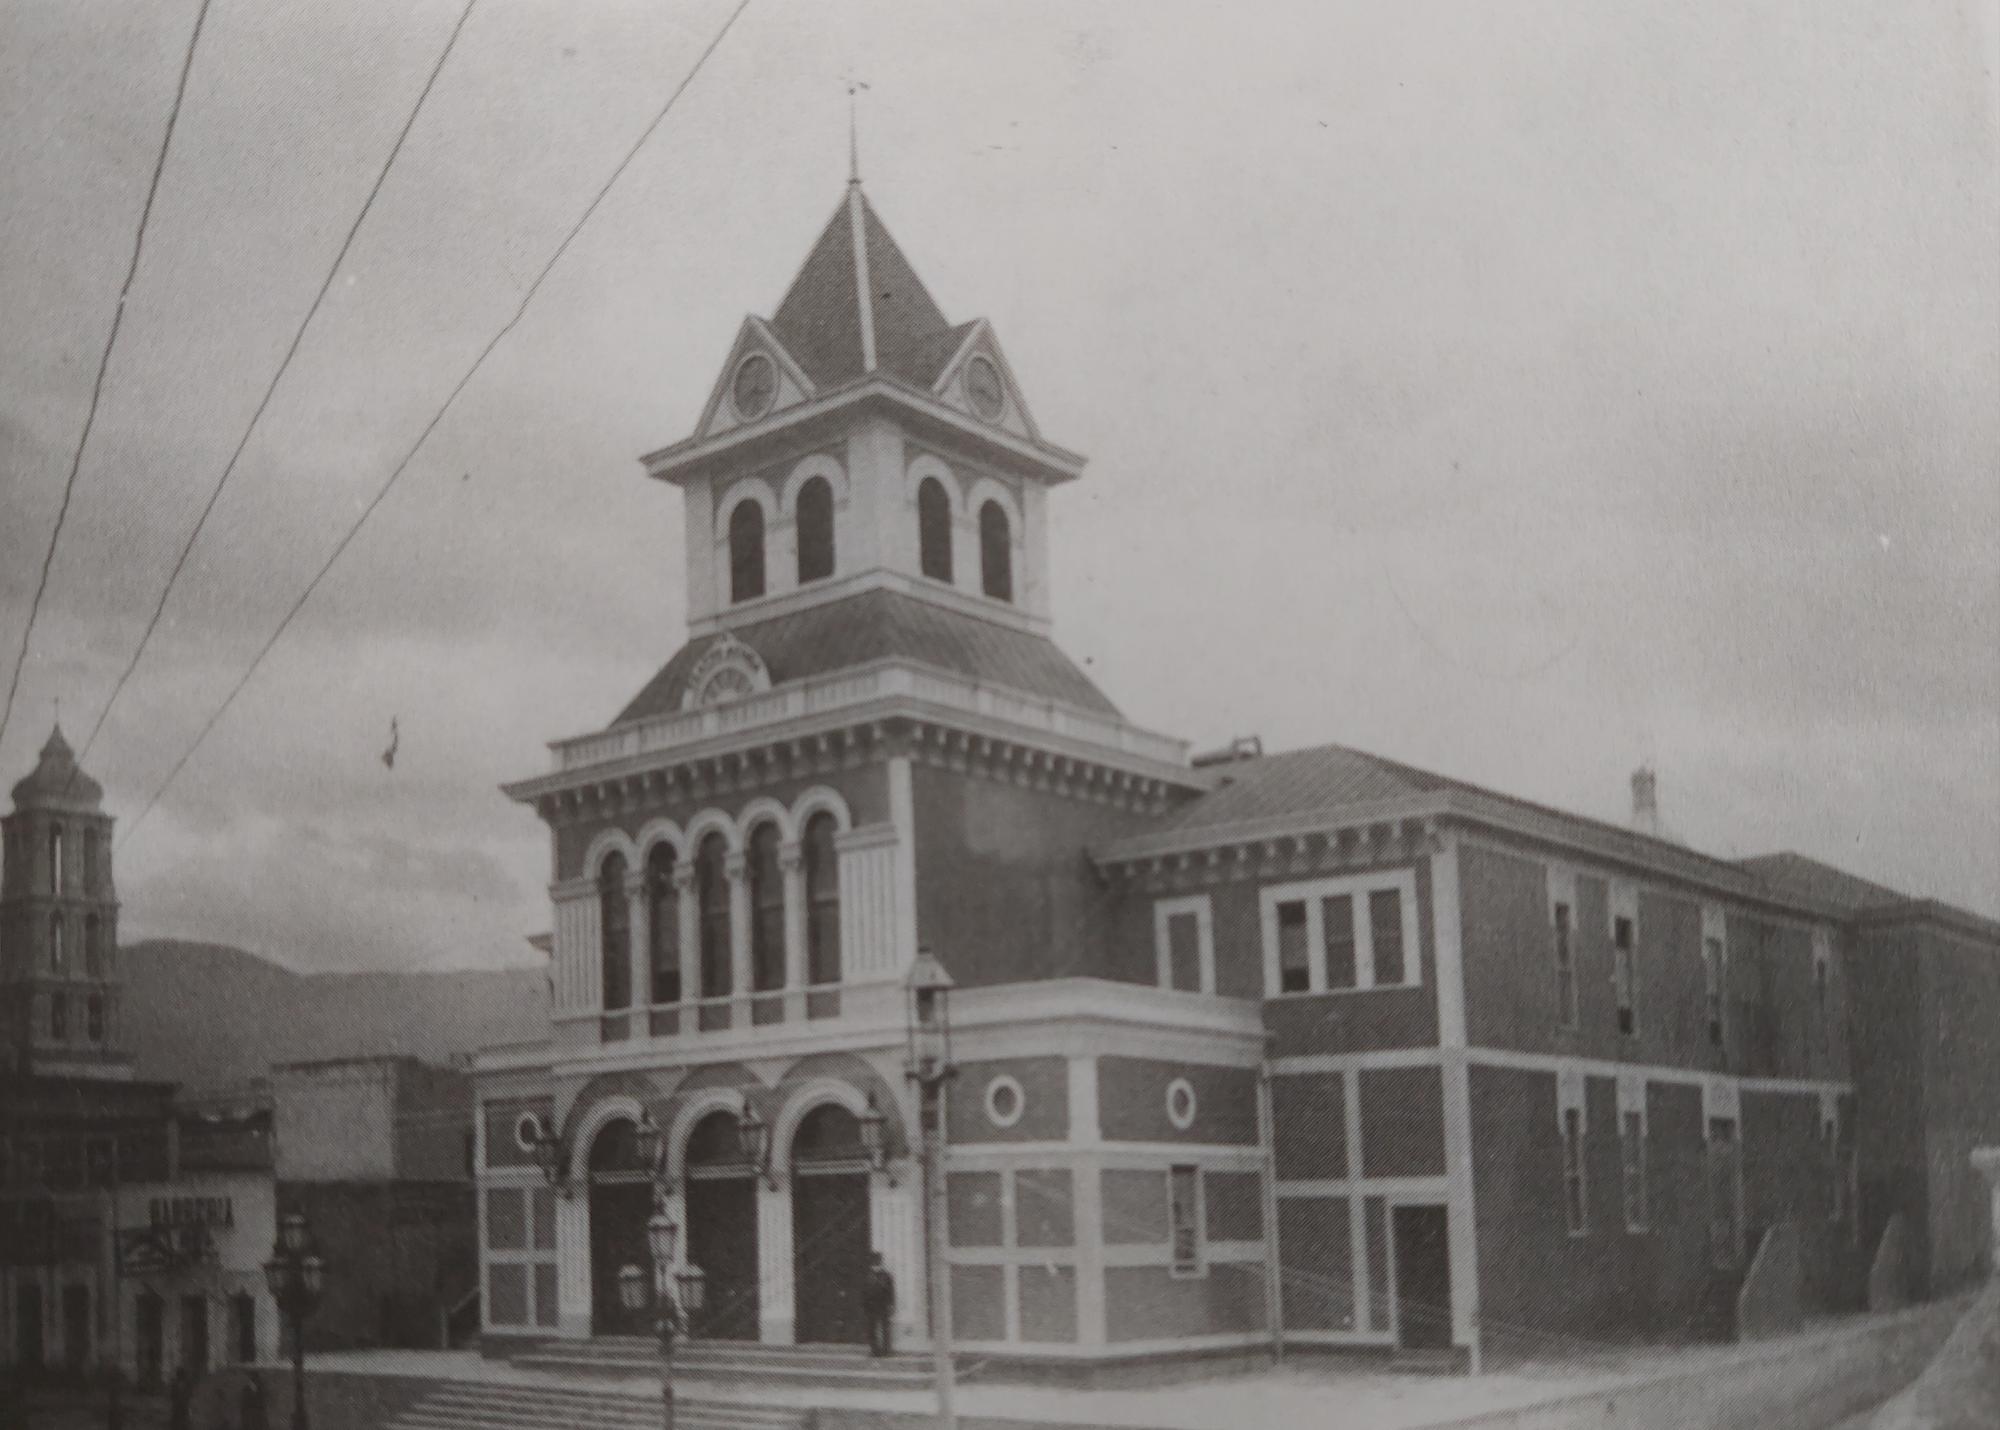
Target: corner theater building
column 1312, row 1046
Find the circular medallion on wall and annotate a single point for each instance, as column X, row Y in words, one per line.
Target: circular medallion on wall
column 1005, row 1101
column 983, row 389
column 527, row 1131
column 755, row 386
column 1180, row 1103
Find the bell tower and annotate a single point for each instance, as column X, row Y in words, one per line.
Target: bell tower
column 59, row 981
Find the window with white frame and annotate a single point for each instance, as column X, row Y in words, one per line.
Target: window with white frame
column 1711, row 977
column 1822, row 968
column 1575, row 1209
column 1565, row 960
column 1632, row 1153
column 1184, row 1219
column 1625, row 968
column 1184, row 944
column 1341, row 935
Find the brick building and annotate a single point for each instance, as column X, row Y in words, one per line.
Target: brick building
column 1311, row 1045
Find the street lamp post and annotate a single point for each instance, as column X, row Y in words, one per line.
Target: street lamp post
column 930, row 1067
column 296, row 1275
column 672, row 1313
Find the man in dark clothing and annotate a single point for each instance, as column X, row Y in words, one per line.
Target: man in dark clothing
column 878, row 1299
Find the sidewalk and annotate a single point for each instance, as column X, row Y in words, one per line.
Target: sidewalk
column 1301, row 1394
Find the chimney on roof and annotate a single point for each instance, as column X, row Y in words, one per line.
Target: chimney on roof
column 1646, row 803
column 1243, row 747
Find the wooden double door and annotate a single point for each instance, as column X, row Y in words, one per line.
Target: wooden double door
column 830, row 1256
column 722, row 1241
column 618, row 1213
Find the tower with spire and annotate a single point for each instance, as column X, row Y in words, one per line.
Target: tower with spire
column 59, row 925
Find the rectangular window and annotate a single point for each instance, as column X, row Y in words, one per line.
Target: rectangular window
column 1342, row 935
column 1184, row 1219
column 1632, row 1151
column 1575, row 1212
column 1184, row 944
column 58, row 1017
column 1836, row 1169
column 1385, row 924
column 1711, row 973
column 1624, row 974
column 1565, row 952
column 1336, row 916
column 1294, row 971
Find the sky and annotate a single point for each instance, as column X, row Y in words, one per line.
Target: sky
column 1525, row 392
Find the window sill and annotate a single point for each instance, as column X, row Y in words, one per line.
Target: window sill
column 1345, row 992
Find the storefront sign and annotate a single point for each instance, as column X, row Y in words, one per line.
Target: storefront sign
column 193, row 1211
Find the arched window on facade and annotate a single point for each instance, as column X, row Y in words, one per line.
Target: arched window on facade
column 711, row 873
column 996, row 552
column 614, row 916
column 746, row 551
column 663, row 925
column 58, row 955
column 767, row 918
column 93, row 946
column 827, row 1135
column 934, row 529
column 822, row 871
column 94, row 1018
column 815, row 530
column 715, row 1147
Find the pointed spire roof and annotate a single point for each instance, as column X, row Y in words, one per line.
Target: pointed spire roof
column 57, row 780
column 837, row 336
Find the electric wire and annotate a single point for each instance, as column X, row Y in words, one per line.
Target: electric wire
column 277, row 377
column 103, row 365
column 401, row 466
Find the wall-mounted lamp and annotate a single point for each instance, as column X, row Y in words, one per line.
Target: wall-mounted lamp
column 753, row 1138
column 874, row 1138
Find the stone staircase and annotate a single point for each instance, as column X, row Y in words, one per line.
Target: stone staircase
column 484, row 1405
column 733, row 1363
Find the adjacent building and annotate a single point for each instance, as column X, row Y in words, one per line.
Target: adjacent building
column 1312, row 1047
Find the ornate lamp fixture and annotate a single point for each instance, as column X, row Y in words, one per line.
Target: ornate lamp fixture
column 753, row 1137
column 874, row 1138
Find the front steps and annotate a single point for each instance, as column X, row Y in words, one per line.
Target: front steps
column 479, row 1405
column 736, row 1363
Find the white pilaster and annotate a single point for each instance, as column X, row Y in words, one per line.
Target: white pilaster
column 690, row 928
column 573, row 1265
column 903, row 814
column 791, row 858
column 1461, row 1212
column 893, row 1230
column 739, row 936
column 576, row 936
column 775, row 1294
column 868, row 905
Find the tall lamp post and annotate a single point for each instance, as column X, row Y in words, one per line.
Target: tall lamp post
column 930, row 1067
column 673, row 1314
column 296, row 1275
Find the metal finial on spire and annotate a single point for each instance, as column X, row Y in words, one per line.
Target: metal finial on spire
column 853, row 131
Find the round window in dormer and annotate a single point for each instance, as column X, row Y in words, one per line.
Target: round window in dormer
column 1180, row 1103
column 983, row 389
column 755, row 386
column 527, row 1131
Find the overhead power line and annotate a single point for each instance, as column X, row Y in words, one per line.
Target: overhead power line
column 319, row 298
column 103, row 364
column 431, row 426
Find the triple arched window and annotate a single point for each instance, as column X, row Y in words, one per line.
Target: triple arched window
column 767, row 916
column 614, row 916
column 663, row 924
column 822, row 870
column 711, row 877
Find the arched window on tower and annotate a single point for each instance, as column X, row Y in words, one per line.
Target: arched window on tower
column 822, row 914
column 767, row 921
column 663, row 925
column 55, row 860
column 746, row 551
column 815, row 530
column 996, row 552
column 711, row 873
column 58, row 955
column 93, row 1018
column 93, row 946
column 93, row 860
column 934, row 529
column 614, row 915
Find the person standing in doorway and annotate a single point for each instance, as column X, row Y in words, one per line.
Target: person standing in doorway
column 878, row 1300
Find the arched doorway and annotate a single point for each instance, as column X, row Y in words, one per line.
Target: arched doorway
column 621, row 1198
column 721, row 1196
column 830, row 1214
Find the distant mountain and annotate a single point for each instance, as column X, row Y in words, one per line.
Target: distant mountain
column 208, row 1016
